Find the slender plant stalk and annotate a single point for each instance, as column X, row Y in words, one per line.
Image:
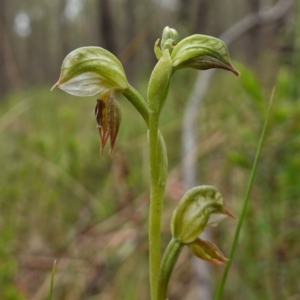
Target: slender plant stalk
column 245, row 203
column 167, row 265
column 52, row 281
column 156, row 200
column 156, row 188
column 138, row 102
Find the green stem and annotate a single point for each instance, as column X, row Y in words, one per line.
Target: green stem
column 138, row 102
column 167, row 265
column 158, row 173
column 156, row 200
column 245, row 204
column 52, row 281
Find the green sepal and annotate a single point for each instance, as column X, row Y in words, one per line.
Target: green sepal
column 159, row 83
column 157, row 50
column 201, row 52
column 88, row 71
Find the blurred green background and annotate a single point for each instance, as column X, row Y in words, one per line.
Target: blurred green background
column 60, row 200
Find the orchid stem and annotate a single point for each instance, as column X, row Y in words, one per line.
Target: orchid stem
column 138, row 102
column 167, row 265
column 156, row 200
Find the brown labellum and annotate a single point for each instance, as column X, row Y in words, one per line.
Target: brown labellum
column 108, row 117
column 207, row 251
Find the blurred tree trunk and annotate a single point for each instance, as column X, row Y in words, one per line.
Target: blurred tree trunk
column 63, row 32
column 105, row 27
column 254, row 34
column 200, row 19
column 184, row 9
column 130, row 35
column 3, row 75
column 130, row 19
column 184, row 13
column 9, row 72
column 208, row 17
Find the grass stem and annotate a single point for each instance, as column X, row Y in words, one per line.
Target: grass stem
column 52, row 281
column 245, row 203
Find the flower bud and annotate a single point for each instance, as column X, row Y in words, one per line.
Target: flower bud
column 169, row 39
column 88, row 71
column 159, row 83
column 207, row 251
column 201, row 52
column 193, row 213
column 108, row 116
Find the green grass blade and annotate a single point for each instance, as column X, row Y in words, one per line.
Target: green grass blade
column 52, row 281
column 245, row 203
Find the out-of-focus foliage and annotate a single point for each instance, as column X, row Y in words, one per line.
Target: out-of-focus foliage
column 37, row 35
column 60, row 200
